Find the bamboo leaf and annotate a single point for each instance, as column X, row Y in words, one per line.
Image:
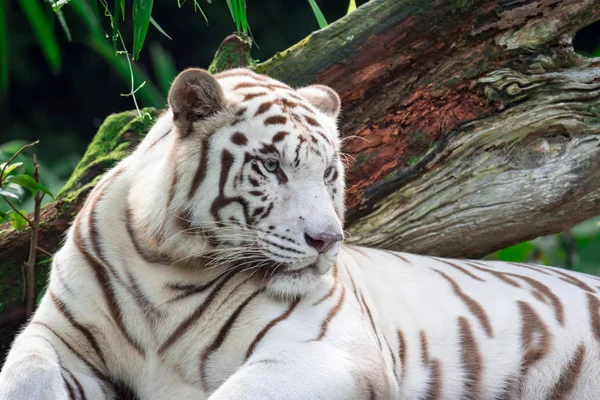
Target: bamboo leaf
column 164, row 67
column 318, row 14
column 8, row 193
column 158, row 27
column 123, row 9
column 351, row 6
column 142, row 11
column 63, row 23
column 42, row 27
column 8, row 169
column 3, row 46
column 29, row 183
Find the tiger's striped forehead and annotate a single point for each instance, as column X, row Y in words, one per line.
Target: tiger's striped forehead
column 274, row 118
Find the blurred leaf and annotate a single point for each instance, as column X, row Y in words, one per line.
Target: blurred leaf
column 351, row 6
column 29, row 183
column 89, row 18
column 8, row 169
column 42, row 27
column 318, row 14
column 158, row 27
column 3, row 46
column 517, row 253
column 8, row 193
column 123, row 9
column 17, row 221
column 587, row 228
column 164, row 67
column 41, row 293
column 3, row 216
column 142, row 11
column 150, row 95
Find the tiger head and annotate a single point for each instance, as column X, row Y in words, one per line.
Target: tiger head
column 250, row 177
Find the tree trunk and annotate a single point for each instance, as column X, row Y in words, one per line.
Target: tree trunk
column 469, row 126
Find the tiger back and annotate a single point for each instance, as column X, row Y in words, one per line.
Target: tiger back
column 209, row 264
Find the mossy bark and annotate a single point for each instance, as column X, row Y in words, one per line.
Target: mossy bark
column 469, row 126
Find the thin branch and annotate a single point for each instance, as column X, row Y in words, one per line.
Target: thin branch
column 45, row 252
column 15, row 156
column 30, row 265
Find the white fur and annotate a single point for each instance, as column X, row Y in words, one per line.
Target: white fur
column 340, row 340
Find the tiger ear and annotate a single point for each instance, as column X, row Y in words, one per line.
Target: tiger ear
column 323, row 98
column 194, row 95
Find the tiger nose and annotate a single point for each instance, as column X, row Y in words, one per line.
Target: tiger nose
column 322, row 241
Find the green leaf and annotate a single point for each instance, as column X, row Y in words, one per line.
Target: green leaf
column 318, row 14
column 3, row 216
column 115, row 22
column 123, row 9
column 232, row 5
column 158, row 27
column 164, row 67
column 42, row 27
column 8, row 169
column 142, row 11
column 3, row 46
column 351, row 6
column 17, row 221
column 29, row 183
column 8, row 193
column 41, row 294
column 243, row 16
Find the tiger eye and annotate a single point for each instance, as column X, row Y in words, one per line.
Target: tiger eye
column 271, row 165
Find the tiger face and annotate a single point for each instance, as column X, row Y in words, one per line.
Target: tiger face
column 259, row 181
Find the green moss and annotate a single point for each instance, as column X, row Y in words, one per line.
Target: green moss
column 463, row 5
column 111, row 144
column 234, row 52
column 418, row 138
column 594, row 110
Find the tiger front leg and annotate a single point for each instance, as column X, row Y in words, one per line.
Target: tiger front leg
column 38, row 368
column 308, row 371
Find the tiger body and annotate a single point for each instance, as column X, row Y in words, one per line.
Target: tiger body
column 194, row 271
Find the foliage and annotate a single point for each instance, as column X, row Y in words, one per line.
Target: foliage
column 12, row 189
column 577, row 249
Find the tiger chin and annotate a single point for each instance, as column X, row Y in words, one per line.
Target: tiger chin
column 208, row 265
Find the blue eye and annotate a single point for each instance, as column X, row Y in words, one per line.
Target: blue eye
column 271, row 165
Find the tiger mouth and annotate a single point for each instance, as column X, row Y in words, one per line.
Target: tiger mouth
column 279, row 269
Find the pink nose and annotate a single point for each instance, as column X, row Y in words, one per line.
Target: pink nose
column 322, row 241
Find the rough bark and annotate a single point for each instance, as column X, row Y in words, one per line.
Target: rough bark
column 469, row 126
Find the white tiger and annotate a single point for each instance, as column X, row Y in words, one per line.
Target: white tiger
column 209, row 264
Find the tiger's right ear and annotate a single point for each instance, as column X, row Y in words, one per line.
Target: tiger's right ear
column 194, row 95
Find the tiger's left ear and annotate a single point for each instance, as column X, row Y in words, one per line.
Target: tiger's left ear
column 323, row 98
column 194, row 95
